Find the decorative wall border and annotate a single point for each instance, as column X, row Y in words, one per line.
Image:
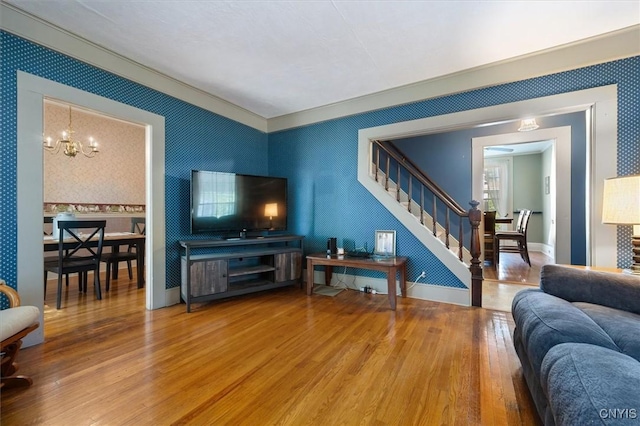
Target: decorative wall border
column 92, row 208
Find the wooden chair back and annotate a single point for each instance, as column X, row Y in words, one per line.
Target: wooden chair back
column 520, row 219
column 138, row 225
column 77, row 245
column 490, row 222
column 525, row 222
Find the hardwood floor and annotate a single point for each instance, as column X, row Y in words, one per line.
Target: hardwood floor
column 510, row 276
column 276, row 357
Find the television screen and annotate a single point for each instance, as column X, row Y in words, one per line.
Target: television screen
column 224, row 202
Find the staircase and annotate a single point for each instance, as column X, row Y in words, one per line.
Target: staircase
column 429, row 213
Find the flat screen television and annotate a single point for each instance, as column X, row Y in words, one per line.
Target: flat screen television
column 230, row 202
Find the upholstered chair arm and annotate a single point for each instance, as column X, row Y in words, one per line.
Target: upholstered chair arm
column 12, row 295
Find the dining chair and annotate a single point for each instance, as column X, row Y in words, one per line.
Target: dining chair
column 51, row 259
column 113, row 258
column 519, row 236
column 489, row 235
column 80, row 252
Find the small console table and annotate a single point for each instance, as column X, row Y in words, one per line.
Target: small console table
column 252, row 264
column 391, row 266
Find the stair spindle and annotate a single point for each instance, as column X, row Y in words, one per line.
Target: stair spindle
column 435, row 214
column 377, row 161
column 422, row 204
column 398, row 182
column 446, row 232
column 410, row 193
column 386, row 179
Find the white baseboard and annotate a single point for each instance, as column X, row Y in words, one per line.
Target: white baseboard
column 172, row 296
column 432, row 292
column 540, row 248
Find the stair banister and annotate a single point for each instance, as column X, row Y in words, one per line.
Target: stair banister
column 474, row 214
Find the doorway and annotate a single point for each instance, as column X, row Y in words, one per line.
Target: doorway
column 104, row 180
column 31, row 93
column 556, row 235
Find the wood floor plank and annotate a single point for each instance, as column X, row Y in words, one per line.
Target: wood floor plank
column 277, row 357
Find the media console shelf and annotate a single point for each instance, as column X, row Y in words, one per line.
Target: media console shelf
column 255, row 264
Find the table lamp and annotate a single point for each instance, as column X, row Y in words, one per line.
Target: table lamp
column 271, row 211
column 621, row 206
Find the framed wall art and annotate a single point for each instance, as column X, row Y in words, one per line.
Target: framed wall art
column 385, row 243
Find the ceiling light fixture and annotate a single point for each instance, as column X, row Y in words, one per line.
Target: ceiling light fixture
column 71, row 147
column 527, row 125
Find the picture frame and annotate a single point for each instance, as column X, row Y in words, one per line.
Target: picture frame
column 385, row 243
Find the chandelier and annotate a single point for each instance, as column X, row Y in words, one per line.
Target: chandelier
column 71, row 147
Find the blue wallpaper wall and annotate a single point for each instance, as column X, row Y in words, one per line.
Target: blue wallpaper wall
column 320, row 160
column 215, row 142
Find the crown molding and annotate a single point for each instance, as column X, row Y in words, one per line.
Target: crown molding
column 608, row 47
column 40, row 32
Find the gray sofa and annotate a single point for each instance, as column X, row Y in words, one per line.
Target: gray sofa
column 578, row 339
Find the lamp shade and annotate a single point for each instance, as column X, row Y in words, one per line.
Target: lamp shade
column 621, row 200
column 271, row 209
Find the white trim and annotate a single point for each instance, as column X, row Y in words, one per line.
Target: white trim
column 172, row 296
column 604, row 48
column 41, row 32
column 31, row 93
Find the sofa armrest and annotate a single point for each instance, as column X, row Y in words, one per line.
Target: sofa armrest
column 615, row 290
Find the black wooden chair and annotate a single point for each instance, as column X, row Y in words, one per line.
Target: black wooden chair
column 113, row 258
column 80, row 252
column 51, row 259
column 519, row 235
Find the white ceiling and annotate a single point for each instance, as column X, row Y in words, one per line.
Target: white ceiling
column 280, row 57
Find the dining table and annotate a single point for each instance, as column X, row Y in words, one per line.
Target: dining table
column 113, row 240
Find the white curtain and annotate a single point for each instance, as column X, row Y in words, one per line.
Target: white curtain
column 496, row 175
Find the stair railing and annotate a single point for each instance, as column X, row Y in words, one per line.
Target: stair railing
column 415, row 176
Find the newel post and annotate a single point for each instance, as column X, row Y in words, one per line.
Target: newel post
column 475, row 218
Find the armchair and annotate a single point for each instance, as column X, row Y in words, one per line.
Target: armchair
column 15, row 323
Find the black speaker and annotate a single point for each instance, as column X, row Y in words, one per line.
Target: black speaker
column 332, row 246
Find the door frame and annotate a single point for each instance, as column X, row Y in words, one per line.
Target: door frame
column 31, row 93
column 561, row 189
column 602, row 137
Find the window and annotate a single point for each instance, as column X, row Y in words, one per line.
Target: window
column 496, row 186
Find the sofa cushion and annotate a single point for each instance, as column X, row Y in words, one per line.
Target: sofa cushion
column 615, row 290
column 14, row 320
column 623, row 327
column 545, row 321
column 587, row 384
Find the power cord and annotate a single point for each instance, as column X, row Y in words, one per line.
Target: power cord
column 341, row 283
column 369, row 289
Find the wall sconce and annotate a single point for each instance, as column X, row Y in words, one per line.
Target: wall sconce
column 621, row 206
column 271, row 211
column 527, row 125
